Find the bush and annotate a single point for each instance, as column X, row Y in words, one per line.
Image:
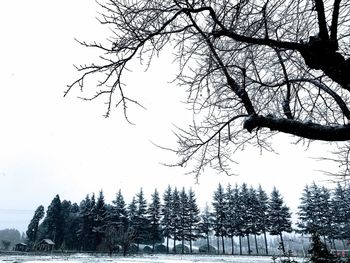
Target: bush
column 204, row 249
column 161, row 249
column 133, row 249
column 319, row 252
column 147, row 250
column 178, row 249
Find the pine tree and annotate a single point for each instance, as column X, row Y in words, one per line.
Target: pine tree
column 175, row 224
column 279, row 216
column 319, row 252
column 183, row 228
column 340, row 212
column 231, row 215
column 315, row 214
column 347, row 212
column 54, row 222
column 253, row 215
column 71, row 225
column 132, row 212
column 193, row 218
column 119, row 214
column 85, row 232
column 166, row 212
column 139, row 220
column 34, row 224
column 99, row 219
column 246, row 223
column 154, row 216
column 206, row 225
column 262, row 214
column 219, row 223
column 306, row 212
column 326, row 220
column 238, row 216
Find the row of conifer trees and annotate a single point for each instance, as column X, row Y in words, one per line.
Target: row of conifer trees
column 174, row 218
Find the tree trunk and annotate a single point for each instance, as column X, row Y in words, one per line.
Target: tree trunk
column 208, row 244
column 223, row 245
column 282, row 244
column 232, row 245
column 174, row 249
column 256, row 244
column 265, row 239
column 218, row 241
column 248, row 242
column 240, row 245
column 190, row 239
column 183, row 246
column 167, row 245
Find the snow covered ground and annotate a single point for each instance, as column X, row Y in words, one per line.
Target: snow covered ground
column 81, row 258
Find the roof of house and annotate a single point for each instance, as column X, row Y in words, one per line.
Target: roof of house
column 47, row 241
column 21, row 244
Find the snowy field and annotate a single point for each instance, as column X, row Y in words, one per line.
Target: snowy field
column 81, row 258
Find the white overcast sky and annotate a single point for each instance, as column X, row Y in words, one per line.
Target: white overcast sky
column 53, row 145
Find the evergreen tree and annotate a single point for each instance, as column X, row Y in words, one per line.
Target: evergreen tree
column 279, row 216
column 71, row 225
column 132, row 212
column 141, row 224
column 119, row 214
column 206, row 225
column 85, row 231
column 315, row 215
column 34, row 224
column 175, row 223
column 154, row 216
column 193, row 218
column 326, row 220
column 183, row 227
column 306, row 219
column 219, row 223
column 231, row 215
column 54, row 222
column 246, row 224
column 262, row 214
column 99, row 213
column 238, row 216
column 347, row 211
column 319, row 252
column 341, row 214
column 253, row 216
column 166, row 212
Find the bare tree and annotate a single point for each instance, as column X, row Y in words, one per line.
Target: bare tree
column 251, row 68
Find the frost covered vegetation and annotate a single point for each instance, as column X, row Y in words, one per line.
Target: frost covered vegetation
column 251, row 69
column 83, row 258
column 240, row 220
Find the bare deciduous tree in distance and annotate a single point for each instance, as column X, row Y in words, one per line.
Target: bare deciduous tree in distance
column 251, row 68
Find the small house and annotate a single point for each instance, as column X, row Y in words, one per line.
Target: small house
column 21, row 247
column 45, row 245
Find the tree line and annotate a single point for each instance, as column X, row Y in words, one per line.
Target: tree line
column 173, row 219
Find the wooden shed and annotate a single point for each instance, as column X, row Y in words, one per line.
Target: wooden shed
column 45, row 245
column 21, row 247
